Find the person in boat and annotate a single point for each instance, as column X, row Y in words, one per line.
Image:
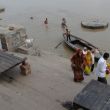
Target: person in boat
column 77, row 62
column 68, row 35
column 46, row 21
column 88, row 63
column 66, row 30
column 101, row 68
column 63, row 24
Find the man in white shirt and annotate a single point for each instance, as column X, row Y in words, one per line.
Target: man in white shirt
column 101, row 68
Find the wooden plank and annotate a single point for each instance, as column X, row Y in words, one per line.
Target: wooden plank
column 107, row 101
column 4, row 66
column 93, row 96
column 5, row 59
column 8, row 61
column 100, row 102
column 2, row 59
column 107, row 105
column 9, row 57
column 6, row 55
column 102, row 96
column 5, row 63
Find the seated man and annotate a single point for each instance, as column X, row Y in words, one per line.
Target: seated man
column 25, row 68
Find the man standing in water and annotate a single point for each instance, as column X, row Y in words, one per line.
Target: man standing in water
column 63, row 24
column 46, row 21
column 102, row 68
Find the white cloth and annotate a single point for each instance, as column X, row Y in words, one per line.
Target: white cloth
column 0, row 45
column 92, row 55
column 84, row 52
column 101, row 68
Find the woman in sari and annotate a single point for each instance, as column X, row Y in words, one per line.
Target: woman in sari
column 77, row 61
column 88, row 62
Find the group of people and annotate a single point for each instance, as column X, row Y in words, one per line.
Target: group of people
column 82, row 63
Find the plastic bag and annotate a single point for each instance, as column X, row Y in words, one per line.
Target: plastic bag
column 107, row 70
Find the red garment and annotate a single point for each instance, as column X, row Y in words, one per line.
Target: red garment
column 77, row 66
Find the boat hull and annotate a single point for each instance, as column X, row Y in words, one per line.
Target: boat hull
column 78, row 43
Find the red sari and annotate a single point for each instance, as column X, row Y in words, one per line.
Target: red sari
column 77, row 66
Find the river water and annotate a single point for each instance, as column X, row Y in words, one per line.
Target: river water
column 20, row 11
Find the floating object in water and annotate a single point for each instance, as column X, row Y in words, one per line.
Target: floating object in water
column 94, row 24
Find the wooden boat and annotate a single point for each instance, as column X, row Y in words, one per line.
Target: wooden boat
column 94, row 24
column 76, row 43
column 94, row 96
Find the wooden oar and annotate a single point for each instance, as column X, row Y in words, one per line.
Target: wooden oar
column 58, row 44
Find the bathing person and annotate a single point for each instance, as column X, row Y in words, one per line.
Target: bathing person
column 63, row 24
column 46, row 21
